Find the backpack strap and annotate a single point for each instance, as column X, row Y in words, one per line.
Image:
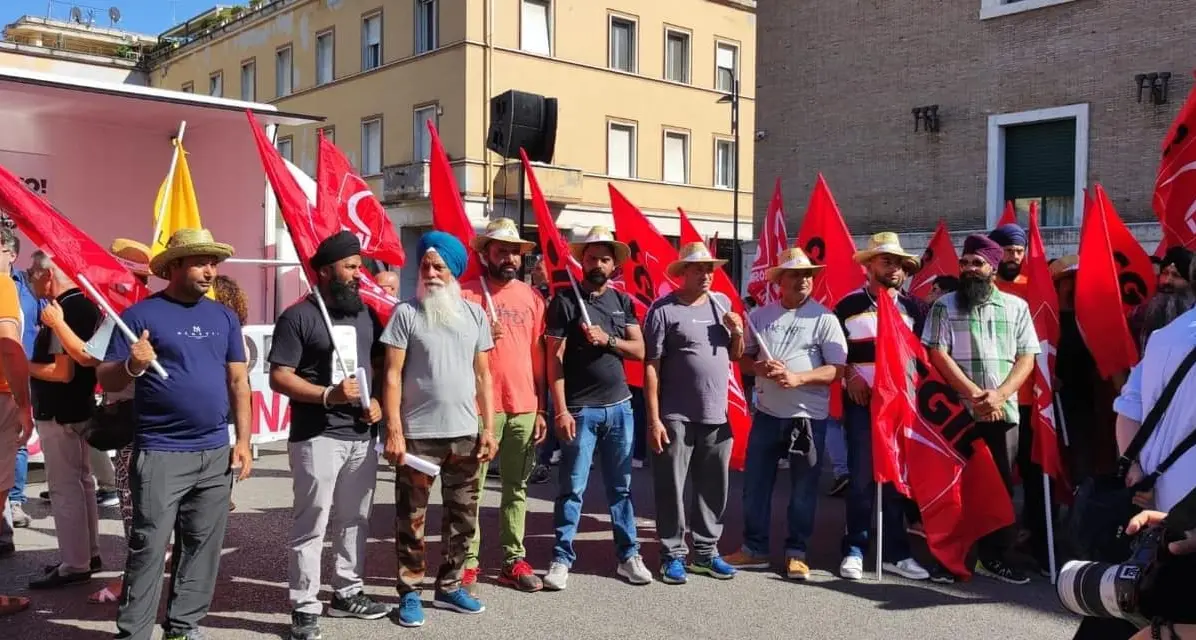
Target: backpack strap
column 1152, row 422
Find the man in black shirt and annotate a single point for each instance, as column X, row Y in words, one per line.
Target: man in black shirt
column 588, row 340
column 333, row 459
column 63, row 403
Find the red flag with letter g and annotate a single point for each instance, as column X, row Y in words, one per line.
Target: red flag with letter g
column 1044, row 310
column 346, row 198
column 925, row 443
column 939, row 259
column 1135, row 272
column 1175, row 185
column 1098, row 296
column 773, row 240
column 558, row 261
column 825, row 239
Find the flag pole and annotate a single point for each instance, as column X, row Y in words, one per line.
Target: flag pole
column 880, row 530
column 1050, row 524
column 486, row 293
column 120, row 324
column 751, row 327
column 174, row 161
column 585, row 315
column 1062, row 419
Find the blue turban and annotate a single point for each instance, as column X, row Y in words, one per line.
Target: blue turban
column 448, row 247
column 1008, row 235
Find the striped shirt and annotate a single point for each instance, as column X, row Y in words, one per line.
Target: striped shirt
column 857, row 313
column 985, row 340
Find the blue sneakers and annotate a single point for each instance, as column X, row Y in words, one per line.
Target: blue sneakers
column 411, row 610
column 715, row 567
column 458, row 600
column 672, row 571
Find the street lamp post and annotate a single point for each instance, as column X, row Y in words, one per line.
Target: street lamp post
column 736, row 261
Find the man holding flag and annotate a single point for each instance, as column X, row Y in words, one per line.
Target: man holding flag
column 691, row 337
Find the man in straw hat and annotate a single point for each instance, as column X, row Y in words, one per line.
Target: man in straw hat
column 802, row 353
column 588, row 339
column 690, row 337
column 982, row 341
column 516, row 313
column 887, row 266
column 182, row 433
column 437, row 390
column 334, row 464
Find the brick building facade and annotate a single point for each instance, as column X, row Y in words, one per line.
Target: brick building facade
column 1035, row 99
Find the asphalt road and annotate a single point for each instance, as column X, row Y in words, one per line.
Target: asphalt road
column 251, row 599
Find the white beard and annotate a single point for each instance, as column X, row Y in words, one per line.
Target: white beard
column 441, row 305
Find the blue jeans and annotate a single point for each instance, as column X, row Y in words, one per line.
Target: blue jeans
column 607, row 430
column 17, row 494
column 768, row 443
column 550, row 443
column 836, row 448
column 861, row 493
column 639, row 413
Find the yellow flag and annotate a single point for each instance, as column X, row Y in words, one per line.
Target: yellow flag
column 181, row 209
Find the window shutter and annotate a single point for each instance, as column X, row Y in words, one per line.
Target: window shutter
column 1040, row 159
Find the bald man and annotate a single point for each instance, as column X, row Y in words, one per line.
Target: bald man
column 389, row 281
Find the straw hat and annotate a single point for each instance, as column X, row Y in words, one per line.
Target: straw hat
column 186, row 243
column 692, row 253
column 887, row 243
column 793, row 259
column 600, row 235
column 501, row 230
column 1065, row 266
column 132, row 254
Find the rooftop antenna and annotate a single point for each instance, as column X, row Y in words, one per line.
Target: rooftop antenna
column 76, row 15
column 114, row 15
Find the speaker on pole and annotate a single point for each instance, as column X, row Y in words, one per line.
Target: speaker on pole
column 522, row 120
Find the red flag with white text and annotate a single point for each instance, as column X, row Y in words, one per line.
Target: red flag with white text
column 1174, row 199
column 448, row 211
column 772, row 242
column 939, row 259
column 738, row 413
column 1098, row 296
column 1044, row 310
column 344, row 197
column 925, row 443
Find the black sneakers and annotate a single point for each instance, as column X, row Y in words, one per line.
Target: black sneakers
column 999, row 570
column 305, row 626
column 358, row 606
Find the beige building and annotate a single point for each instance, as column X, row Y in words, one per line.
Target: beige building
column 82, row 49
column 639, row 87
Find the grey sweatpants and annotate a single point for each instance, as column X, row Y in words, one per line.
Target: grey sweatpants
column 333, row 483
column 186, row 493
column 702, row 454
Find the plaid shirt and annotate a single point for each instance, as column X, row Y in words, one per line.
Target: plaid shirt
column 984, row 341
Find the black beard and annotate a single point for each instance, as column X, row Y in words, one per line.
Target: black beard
column 888, row 282
column 503, row 272
column 596, row 277
column 973, row 290
column 1009, row 271
column 344, row 299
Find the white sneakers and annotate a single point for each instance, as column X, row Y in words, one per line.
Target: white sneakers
column 852, row 568
column 635, row 571
column 557, row 577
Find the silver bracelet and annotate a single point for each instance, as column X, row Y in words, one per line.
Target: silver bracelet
column 130, row 371
column 324, row 398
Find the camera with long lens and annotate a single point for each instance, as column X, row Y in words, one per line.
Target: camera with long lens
column 1125, row 590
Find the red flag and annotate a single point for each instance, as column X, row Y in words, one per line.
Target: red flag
column 558, row 260
column 939, row 259
column 1009, row 215
column 1135, row 271
column 738, row 413
column 711, row 244
column 1098, row 296
column 304, row 221
column 923, row 443
column 773, row 240
column 1044, row 310
column 345, row 198
column 825, row 239
column 1175, row 186
column 72, row 250
column 448, row 211
column 644, row 272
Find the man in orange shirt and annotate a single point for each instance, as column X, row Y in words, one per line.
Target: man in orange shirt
column 516, row 313
column 16, row 415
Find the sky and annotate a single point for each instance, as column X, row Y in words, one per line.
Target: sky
column 143, row 16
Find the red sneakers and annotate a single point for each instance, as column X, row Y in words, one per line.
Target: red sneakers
column 519, row 574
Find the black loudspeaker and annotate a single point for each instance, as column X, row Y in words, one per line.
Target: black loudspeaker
column 522, row 120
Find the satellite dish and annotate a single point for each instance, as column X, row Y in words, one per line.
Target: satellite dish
column 114, row 14
column 76, row 14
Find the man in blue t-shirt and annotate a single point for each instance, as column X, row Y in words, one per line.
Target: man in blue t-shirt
column 181, row 441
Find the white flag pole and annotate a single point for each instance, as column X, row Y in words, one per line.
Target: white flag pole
column 1050, row 524
column 120, row 324
column 585, row 315
column 489, row 300
column 880, row 530
column 174, row 161
column 1062, row 419
column 751, row 327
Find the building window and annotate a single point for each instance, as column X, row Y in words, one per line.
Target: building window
column 216, row 84
column 427, row 25
column 284, row 72
column 622, row 44
column 724, row 164
column 371, row 147
column 285, row 146
column 420, row 137
column 371, row 42
column 188, row 87
column 249, row 81
column 324, row 57
column 676, row 56
column 535, row 26
column 676, row 157
column 329, row 134
column 726, row 63
column 997, row 8
column 1039, row 156
column 620, row 150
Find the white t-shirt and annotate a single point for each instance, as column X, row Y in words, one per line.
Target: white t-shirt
column 97, row 347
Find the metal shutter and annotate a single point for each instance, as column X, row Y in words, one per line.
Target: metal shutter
column 1040, row 159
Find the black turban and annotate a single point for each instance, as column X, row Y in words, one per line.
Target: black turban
column 336, row 247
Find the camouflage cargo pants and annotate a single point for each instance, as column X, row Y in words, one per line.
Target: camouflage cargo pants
column 458, row 520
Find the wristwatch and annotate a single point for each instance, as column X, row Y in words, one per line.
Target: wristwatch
column 611, row 341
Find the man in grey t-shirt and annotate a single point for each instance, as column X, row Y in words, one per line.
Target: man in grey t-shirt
column 802, row 352
column 437, row 383
column 690, row 339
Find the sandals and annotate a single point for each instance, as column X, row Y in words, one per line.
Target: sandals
column 12, row 604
